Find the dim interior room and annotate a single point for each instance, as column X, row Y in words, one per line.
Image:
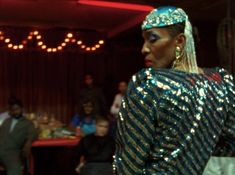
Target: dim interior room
column 48, row 46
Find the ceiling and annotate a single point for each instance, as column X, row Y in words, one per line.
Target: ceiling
column 111, row 21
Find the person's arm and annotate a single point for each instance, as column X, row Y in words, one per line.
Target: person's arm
column 136, row 128
column 115, row 106
column 32, row 135
column 79, row 156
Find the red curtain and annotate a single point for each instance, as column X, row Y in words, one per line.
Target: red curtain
column 50, row 82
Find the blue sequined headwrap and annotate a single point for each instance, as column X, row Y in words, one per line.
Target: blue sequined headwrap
column 167, row 16
column 164, row 16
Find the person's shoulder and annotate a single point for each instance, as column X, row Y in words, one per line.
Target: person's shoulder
column 151, row 78
column 118, row 96
column 143, row 76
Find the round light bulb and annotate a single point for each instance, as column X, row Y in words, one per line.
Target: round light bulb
column 49, row 50
column 15, row 47
column 88, row 49
column 40, row 43
column 101, row 41
column 79, row 42
column 67, row 40
column 10, row 45
column 7, row 40
column 69, row 35
column 39, row 37
column 59, row 47
column 97, row 46
column 35, row 32
column 44, row 46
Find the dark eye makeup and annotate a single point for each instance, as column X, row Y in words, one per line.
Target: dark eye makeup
column 152, row 37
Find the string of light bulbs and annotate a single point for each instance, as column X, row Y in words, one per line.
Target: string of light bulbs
column 41, row 45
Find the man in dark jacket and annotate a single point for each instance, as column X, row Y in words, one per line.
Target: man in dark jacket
column 16, row 135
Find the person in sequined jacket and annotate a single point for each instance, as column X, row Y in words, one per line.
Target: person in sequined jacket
column 174, row 112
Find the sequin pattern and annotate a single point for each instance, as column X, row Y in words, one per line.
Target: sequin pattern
column 163, row 17
column 170, row 121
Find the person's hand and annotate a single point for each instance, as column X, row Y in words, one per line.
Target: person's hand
column 26, row 151
column 79, row 167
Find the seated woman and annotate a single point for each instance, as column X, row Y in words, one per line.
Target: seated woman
column 85, row 120
column 97, row 150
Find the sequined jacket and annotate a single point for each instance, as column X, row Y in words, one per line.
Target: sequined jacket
column 170, row 121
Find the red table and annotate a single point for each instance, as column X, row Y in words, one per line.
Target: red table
column 65, row 142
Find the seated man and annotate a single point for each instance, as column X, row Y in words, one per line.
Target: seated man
column 16, row 135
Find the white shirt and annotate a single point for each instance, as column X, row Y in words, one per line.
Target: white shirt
column 116, row 105
column 4, row 116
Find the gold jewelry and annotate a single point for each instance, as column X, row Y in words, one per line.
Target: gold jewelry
column 178, row 52
column 178, row 55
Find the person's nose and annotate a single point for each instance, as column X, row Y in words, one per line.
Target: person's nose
column 145, row 49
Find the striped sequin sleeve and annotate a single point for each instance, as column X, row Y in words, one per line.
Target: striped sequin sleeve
column 229, row 128
column 136, row 121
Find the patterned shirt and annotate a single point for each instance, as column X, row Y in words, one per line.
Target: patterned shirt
column 170, row 121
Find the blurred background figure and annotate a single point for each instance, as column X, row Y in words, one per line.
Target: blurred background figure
column 16, row 136
column 95, row 94
column 84, row 120
column 122, row 86
column 97, row 150
column 5, row 115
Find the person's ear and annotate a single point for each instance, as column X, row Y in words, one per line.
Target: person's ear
column 180, row 40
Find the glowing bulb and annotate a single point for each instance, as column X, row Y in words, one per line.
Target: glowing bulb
column 49, row 50
column 66, row 40
column 101, row 41
column 83, row 46
column 35, row 32
column 54, row 49
column 79, row 42
column 30, row 37
column 15, row 47
column 24, row 42
column 7, row 40
column 93, row 48
column 97, row 46
column 63, row 44
column 40, row 43
column 69, row 35
column 88, row 49
column 0, row 32
column 44, row 46
column 39, row 37
column 10, row 45
column 73, row 40
column 21, row 46
column 1, row 37
column 59, row 47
